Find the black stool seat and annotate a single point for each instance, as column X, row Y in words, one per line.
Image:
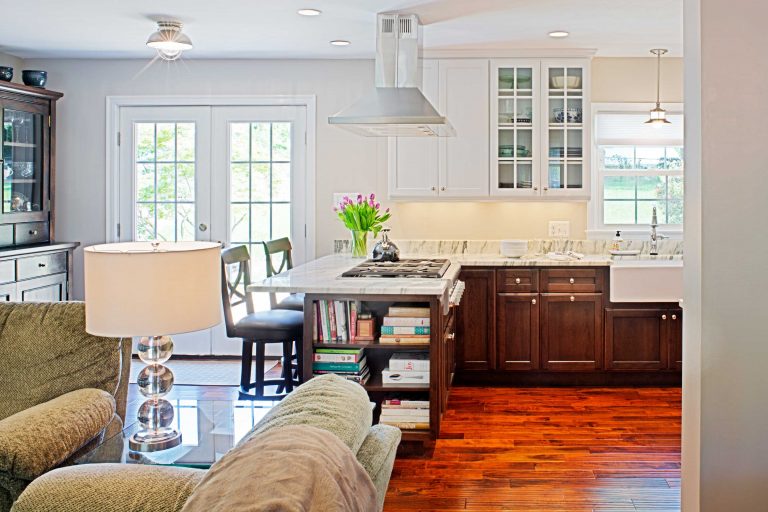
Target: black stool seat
column 294, row 302
column 272, row 325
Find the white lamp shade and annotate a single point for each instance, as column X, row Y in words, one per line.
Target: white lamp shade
column 137, row 289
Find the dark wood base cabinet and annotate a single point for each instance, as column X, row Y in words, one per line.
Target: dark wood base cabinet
column 537, row 326
column 39, row 273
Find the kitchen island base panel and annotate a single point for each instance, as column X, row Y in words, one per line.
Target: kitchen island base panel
column 569, row 379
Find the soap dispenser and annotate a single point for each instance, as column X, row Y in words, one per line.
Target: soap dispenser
column 617, row 241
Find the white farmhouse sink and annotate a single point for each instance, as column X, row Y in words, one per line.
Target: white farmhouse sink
column 647, row 281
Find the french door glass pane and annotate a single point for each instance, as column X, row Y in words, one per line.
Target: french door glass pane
column 260, row 186
column 164, row 157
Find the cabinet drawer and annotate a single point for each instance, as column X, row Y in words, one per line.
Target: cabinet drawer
column 43, row 265
column 31, row 233
column 6, row 235
column 577, row 280
column 7, row 271
column 512, row 281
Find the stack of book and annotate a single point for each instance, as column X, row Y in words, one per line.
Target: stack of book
column 335, row 321
column 349, row 363
column 405, row 414
column 405, row 325
column 407, row 368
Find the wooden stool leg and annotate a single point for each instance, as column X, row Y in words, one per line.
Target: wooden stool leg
column 259, row 387
column 288, row 365
column 245, row 366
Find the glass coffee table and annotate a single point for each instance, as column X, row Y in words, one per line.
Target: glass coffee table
column 209, row 429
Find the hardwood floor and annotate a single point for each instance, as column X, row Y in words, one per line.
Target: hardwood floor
column 537, row 449
column 553, row 449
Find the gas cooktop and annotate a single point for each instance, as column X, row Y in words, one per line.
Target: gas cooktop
column 430, row 268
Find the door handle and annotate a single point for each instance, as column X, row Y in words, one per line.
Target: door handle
column 203, row 227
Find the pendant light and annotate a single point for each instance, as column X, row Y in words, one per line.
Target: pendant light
column 169, row 40
column 658, row 114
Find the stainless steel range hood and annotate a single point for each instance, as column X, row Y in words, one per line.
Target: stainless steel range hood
column 396, row 108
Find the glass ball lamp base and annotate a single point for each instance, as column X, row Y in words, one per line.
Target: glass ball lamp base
column 154, row 382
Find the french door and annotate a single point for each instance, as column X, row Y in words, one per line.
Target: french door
column 231, row 174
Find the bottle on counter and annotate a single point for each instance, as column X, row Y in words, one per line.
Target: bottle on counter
column 617, row 241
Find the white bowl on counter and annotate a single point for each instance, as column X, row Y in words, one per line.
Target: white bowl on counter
column 513, row 248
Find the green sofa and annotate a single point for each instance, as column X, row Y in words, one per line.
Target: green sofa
column 328, row 402
column 60, row 388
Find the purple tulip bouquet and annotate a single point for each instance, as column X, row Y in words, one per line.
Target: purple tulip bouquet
column 361, row 216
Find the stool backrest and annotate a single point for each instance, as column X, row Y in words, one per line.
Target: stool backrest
column 271, row 247
column 233, row 289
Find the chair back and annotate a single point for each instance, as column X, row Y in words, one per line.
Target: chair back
column 272, row 247
column 233, row 288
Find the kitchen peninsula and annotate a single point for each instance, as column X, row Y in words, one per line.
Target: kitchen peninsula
column 521, row 321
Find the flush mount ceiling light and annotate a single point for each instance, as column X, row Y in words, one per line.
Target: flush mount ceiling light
column 559, row 33
column 309, row 12
column 340, row 42
column 658, row 114
column 169, row 40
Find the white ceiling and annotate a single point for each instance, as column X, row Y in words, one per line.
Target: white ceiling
column 272, row 29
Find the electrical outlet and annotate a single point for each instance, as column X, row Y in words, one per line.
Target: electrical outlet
column 559, row 229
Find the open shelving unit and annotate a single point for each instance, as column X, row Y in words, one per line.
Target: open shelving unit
column 378, row 355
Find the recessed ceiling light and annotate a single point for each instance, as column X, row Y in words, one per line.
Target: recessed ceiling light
column 559, row 33
column 340, row 42
column 309, row 12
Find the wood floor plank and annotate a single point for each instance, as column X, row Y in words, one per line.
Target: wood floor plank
column 548, row 449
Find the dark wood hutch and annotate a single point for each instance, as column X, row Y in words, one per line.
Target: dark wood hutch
column 33, row 265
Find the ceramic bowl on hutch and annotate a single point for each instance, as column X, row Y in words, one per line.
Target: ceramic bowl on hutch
column 6, row 73
column 34, row 77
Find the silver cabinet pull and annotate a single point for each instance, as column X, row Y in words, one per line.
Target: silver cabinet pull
column 571, row 280
column 674, row 317
column 203, row 227
column 663, row 317
column 535, row 188
column 573, row 298
column 442, row 188
column 33, row 232
column 433, row 189
column 533, row 301
column 517, row 280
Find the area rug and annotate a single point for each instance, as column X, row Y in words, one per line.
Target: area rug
column 202, row 373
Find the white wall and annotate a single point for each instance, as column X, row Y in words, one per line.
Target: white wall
column 345, row 162
column 729, row 312
column 16, row 63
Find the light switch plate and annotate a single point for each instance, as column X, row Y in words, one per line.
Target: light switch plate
column 559, row 229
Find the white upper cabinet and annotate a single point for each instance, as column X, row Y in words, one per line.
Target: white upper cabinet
column 464, row 101
column 413, row 161
column 522, row 131
column 424, row 167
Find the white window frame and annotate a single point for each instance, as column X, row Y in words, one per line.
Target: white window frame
column 596, row 229
column 115, row 103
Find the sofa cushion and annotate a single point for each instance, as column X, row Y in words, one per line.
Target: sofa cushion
column 329, row 402
column 45, row 352
column 297, row 468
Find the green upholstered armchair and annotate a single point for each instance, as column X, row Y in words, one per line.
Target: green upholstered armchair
column 60, row 388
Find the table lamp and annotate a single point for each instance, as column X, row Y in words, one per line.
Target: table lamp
column 151, row 290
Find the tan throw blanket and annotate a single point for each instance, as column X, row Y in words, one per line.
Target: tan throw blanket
column 295, row 468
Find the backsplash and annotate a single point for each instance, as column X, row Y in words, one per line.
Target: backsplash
column 431, row 247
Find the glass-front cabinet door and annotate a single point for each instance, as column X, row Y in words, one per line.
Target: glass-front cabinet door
column 515, row 122
column 24, row 146
column 565, row 93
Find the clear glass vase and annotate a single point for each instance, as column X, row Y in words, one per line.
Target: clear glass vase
column 359, row 244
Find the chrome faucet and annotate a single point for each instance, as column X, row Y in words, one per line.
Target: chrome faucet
column 655, row 237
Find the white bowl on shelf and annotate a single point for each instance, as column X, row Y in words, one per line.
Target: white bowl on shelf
column 559, row 82
column 513, row 248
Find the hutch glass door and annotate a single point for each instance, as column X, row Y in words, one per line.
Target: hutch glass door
column 22, row 161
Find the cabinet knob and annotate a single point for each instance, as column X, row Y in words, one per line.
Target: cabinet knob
column 33, row 232
column 203, row 227
column 546, row 188
column 571, row 280
column 674, row 317
column 442, row 188
column 573, row 298
column 533, row 301
column 41, row 265
column 517, row 280
column 663, row 317
column 433, row 189
column 535, row 188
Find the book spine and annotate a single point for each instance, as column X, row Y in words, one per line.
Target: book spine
column 404, row 340
column 395, row 403
column 318, row 322
column 355, row 351
column 326, row 321
column 409, row 365
column 407, row 425
column 404, row 419
column 400, row 412
column 342, row 367
column 332, row 321
column 409, row 312
column 341, row 318
column 391, row 329
column 336, row 358
column 353, row 321
column 404, row 321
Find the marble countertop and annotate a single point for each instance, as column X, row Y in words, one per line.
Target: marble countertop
column 322, row 275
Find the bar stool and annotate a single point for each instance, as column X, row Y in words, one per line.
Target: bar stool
column 294, row 301
column 259, row 328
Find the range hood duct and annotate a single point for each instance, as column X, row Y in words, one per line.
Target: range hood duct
column 396, row 108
